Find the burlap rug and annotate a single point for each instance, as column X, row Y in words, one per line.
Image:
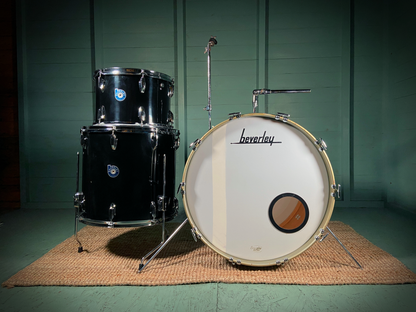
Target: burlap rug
column 112, row 257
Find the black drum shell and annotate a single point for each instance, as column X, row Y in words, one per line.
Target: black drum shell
column 153, row 100
column 134, row 190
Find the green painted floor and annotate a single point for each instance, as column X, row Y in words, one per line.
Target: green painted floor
column 28, row 234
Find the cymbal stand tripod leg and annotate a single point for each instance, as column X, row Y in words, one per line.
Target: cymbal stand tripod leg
column 162, row 206
column 159, row 248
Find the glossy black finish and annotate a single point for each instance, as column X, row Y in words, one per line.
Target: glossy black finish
column 154, row 100
column 134, row 187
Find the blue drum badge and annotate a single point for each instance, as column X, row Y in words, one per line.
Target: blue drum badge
column 119, row 94
column 112, row 171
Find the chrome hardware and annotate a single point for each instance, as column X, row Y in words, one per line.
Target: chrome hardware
column 171, row 90
column 79, row 200
column 282, row 117
column 322, row 239
column 161, row 200
column 234, row 115
column 234, row 262
column 153, row 209
column 101, row 114
column 100, row 81
column 83, row 138
column 258, row 92
column 177, row 143
column 113, row 140
column 161, row 203
column 195, row 144
column 193, row 235
column 212, row 41
column 111, row 214
column 337, row 190
column 153, row 163
column 321, row 232
column 181, row 188
column 281, row 263
column 322, row 145
column 152, row 254
column 255, row 102
column 170, row 118
column 142, row 84
column 155, row 140
column 162, row 85
column 194, row 232
column 102, row 85
column 345, row 248
column 141, row 114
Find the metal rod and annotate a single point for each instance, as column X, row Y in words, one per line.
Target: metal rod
column 164, row 194
column 257, row 92
column 159, row 249
column 345, row 248
column 212, row 41
column 78, row 201
column 77, row 189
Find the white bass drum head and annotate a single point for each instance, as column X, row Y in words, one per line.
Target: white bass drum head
column 258, row 190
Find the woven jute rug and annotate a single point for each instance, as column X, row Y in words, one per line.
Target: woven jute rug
column 112, row 257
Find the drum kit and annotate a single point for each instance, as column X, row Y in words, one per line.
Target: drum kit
column 258, row 188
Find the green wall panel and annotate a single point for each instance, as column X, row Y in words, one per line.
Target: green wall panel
column 367, row 94
column 305, row 52
column 57, row 97
column 399, row 128
column 356, row 57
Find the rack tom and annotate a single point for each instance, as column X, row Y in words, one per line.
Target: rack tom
column 132, row 96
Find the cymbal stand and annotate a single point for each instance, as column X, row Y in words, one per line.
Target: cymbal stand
column 161, row 207
column 212, row 41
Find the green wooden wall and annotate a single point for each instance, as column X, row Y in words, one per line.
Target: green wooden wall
column 399, row 107
column 356, row 56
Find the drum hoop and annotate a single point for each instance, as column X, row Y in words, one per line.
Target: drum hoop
column 115, row 71
column 133, row 128
column 310, row 241
column 138, row 223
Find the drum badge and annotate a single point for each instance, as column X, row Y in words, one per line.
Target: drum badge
column 119, row 94
column 112, row 171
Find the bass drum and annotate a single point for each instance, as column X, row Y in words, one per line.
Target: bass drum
column 126, row 170
column 258, row 189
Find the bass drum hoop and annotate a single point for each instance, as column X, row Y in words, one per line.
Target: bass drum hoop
column 296, row 252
